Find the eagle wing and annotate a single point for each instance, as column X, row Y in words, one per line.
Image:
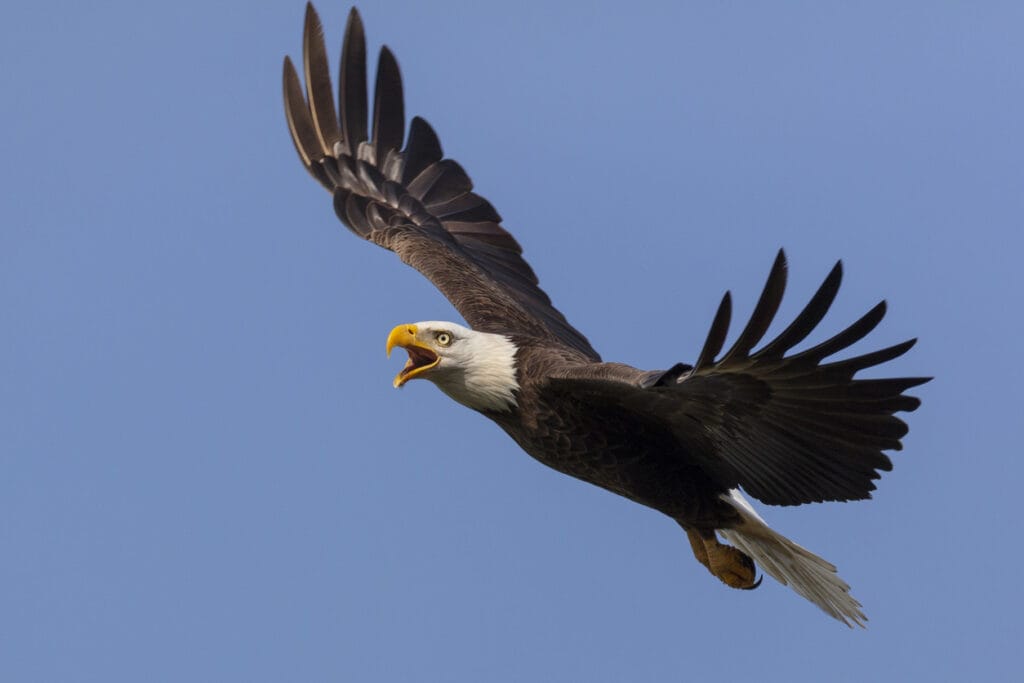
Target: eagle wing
column 789, row 429
column 412, row 201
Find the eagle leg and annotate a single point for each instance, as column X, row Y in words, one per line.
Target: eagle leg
column 729, row 565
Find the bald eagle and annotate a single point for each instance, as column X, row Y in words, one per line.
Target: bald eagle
column 786, row 427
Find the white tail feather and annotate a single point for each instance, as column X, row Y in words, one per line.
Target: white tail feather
column 792, row 565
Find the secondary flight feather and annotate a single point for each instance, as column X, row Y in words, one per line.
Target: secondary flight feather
column 788, row 427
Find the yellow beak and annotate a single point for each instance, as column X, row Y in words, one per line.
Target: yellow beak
column 421, row 357
column 403, row 335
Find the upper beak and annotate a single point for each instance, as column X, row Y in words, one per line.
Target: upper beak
column 403, row 335
column 421, row 357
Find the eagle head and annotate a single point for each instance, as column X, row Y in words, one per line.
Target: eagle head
column 477, row 369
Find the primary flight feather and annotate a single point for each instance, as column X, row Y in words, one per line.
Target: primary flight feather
column 787, row 427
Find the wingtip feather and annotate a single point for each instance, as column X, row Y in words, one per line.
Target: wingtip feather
column 319, row 93
column 764, row 311
column 716, row 335
column 352, row 84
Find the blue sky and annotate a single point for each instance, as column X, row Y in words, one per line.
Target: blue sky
column 206, row 475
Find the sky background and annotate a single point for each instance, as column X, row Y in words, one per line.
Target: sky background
column 205, row 474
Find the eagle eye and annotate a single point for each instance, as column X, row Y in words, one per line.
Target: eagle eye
column 443, row 338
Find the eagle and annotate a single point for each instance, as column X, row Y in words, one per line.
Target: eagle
column 787, row 427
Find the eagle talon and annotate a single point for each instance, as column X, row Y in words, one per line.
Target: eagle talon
column 756, row 584
column 729, row 565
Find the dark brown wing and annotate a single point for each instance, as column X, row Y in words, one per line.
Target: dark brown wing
column 411, row 201
column 788, row 429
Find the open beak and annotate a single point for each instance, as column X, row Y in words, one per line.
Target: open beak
column 421, row 357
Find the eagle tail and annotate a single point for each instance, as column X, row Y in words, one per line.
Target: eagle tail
column 791, row 564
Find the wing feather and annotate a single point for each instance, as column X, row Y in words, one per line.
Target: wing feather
column 764, row 311
column 388, row 108
column 412, row 201
column 794, row 429
column 788, row 429
column 422, row 149
column 716, row 335
column 351, row 81
column 808, row 318
column 318, row 84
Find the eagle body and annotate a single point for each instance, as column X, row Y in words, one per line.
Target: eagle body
column 604, row 445
column 784, row 422
column 605, row 449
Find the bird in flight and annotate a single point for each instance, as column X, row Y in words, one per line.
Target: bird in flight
column 785, row 427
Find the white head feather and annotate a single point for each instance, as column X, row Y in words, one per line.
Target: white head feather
column 477, row 369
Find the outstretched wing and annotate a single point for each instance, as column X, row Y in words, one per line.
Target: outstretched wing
column 788, row 429
column 412, row 201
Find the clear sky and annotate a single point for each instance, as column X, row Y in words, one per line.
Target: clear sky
column 205, row 474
